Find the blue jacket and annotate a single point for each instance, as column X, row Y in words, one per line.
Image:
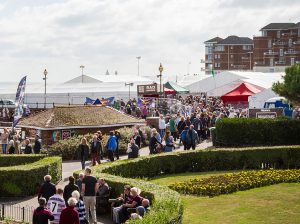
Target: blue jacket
column 183, row 135
column 112, row 143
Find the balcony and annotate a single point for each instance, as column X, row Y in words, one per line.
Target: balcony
column 271, row 53
column 280, row 63
column 259, row 63
column 280, row 43
column 207, row 61
column 297, row 42
column 291, row 52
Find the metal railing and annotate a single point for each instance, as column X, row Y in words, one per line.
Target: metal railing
column 16, row 212
column 271, row 53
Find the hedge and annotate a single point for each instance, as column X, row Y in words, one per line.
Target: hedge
column 166, row 204
column 232, row 182
column 283, row 157
column 254, row 132
column 9, row 160
column 23, row 180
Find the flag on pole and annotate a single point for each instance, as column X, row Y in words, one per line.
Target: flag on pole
column 20, row 97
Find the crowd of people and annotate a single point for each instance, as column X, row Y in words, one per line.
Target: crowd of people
column 12, row 143
column 76, row 202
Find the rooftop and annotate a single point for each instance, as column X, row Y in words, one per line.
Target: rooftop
column 214, row 40
column 235, row 40
column 78, row 116
column 278, row 26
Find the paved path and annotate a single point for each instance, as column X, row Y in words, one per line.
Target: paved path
column 69, row 167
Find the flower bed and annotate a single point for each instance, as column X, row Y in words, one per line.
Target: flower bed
column 232, row 182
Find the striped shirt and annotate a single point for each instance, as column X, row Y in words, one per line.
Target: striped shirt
column 81, row 211
column 55, row 205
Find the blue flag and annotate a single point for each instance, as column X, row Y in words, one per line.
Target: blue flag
column 89, row 101
column 20, row 97
column 97, row 102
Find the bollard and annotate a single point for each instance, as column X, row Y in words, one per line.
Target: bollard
column 23, row 214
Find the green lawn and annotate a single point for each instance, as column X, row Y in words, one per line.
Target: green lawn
column 272, row 204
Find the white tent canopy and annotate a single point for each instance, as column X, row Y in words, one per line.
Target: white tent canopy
column 224, row 82
column 258, row 100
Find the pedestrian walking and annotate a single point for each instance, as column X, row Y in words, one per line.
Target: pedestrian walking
column 56, row 204
column 47, row 189
column 111, row 145
column 41, row 214
column 83, row 152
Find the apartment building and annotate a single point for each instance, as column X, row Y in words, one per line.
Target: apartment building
column 231, row 53
column 277, row 47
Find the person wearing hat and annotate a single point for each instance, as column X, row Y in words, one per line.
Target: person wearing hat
column 37, row 145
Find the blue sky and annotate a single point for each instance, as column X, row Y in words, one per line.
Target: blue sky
column 110, row 34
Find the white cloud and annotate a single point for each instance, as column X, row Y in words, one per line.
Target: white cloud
column 109, row 34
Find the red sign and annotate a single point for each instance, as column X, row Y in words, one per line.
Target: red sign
column 65, row 134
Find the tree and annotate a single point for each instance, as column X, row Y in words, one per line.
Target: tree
column 290, row 87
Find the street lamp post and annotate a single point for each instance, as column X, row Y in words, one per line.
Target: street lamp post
column 82, row 67
column 138, row 59
column 160, row 69
column 129, row 84
column 45, row 94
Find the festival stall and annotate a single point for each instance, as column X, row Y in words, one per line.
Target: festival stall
column 240, row 94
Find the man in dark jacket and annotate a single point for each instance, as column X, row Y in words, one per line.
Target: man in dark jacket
column 96, row 150
column 41, row 215
column 47, row 189
column 37, row 145
column 69, row 188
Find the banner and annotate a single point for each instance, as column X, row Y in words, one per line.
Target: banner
column 20, row 97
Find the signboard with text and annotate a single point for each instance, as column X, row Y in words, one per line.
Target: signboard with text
column 265, row 113
column 147, row 89
column 65, row 134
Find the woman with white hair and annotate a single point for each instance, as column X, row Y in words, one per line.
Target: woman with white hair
column 80, row 207
column 135, row 201
column 70, row 215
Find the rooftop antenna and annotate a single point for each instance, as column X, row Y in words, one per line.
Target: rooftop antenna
column 107, row 73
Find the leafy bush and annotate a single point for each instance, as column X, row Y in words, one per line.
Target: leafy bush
column 208, row 160
column 68, row 148
column 166, row 204
column 9, row 160
column 23, row 180
column 253, row 132
column 232, row 182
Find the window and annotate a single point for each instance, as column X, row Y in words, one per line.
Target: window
column 219, row 56
column 281, row 52
column 231, row 47
column 219, row 65
column 219, row 48
column 216, row 65
column 264, row 33
column 216, row 56
column 299, row 32
column 209, row 57
column 290, row 42
column 246, row 47
column 292, row 61
column 271, row 62
column 269, row 43
column 231, row 56
column 278, row 34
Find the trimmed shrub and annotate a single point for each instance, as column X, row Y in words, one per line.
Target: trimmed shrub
column 9, row 160
column 232, row 182
column 68, row 149
column 254, row 132
column 24, row 180
column 283, row 157
column 166, row 204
